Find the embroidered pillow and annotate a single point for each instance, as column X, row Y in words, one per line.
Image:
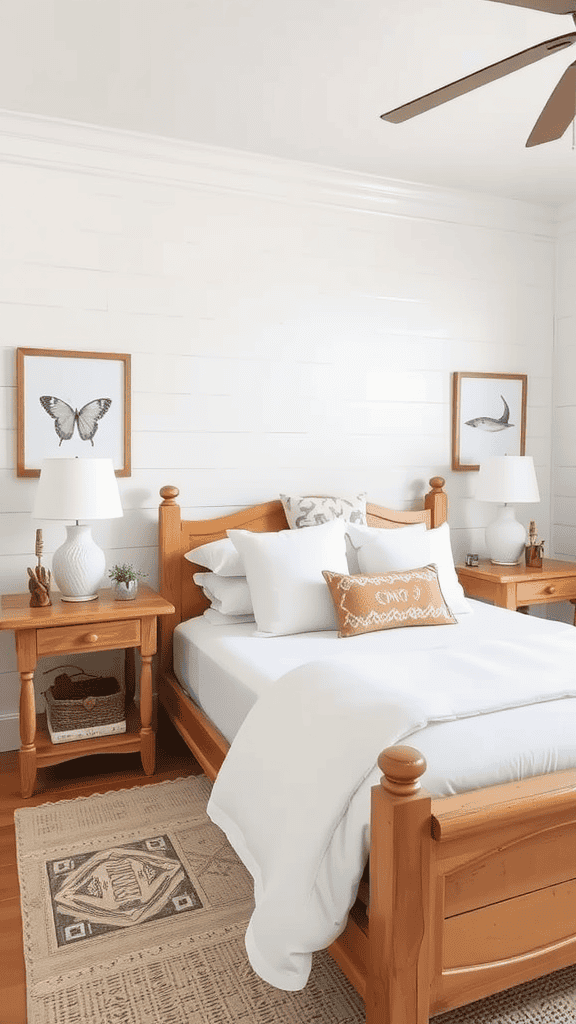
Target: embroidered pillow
column 314, row 509
column 364, row 604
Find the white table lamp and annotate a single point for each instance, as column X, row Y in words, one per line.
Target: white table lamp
column 78, row 489
column 504, row 479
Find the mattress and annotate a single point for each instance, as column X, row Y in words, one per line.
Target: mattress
column 226, row 668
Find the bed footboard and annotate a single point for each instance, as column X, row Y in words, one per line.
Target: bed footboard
column 469, row 895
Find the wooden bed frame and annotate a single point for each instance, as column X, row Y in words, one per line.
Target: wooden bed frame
column 469, row 895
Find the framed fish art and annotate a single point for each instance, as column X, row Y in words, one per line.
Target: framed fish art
column 488, row 417
column 72, row 404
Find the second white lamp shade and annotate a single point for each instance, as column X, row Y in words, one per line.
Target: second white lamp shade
column 506, row 479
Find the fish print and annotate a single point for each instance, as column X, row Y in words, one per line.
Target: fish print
column 491, row 424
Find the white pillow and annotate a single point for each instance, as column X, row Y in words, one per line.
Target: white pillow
column 315, row 509
column 284, row 573
column 216, row 618
column 227, row 594
column 220, row 556
column 368, row 532
column 393, row 550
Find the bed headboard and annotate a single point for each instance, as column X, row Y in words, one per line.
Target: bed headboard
column 178, row 536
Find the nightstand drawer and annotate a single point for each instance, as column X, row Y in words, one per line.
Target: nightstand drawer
column 92, row 636
column 541, row 590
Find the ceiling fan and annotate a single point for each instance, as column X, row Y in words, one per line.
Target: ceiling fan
column 559, row 111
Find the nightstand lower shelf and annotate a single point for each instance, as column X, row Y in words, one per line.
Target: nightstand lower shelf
column 48, row 753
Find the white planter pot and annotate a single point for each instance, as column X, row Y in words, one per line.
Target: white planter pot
column 125, row 591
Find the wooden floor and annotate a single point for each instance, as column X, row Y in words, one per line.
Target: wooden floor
column 63, row 782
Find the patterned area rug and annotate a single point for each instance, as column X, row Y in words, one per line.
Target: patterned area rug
column 134, row 909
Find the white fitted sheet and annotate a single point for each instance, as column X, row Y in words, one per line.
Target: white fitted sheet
column 226, row 668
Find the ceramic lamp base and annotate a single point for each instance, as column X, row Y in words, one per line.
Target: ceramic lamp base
column 505, row 538
column 78, row 565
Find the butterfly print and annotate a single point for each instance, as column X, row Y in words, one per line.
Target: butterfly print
column 66, row 418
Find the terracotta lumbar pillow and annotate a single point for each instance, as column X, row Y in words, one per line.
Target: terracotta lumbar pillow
column 364, row 604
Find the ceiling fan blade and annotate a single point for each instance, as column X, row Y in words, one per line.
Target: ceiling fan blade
column 559, row 111
column 550, row 6
column 478, row 78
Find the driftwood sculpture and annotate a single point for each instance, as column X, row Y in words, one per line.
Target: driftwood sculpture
column 534, row 550
column 40, row 578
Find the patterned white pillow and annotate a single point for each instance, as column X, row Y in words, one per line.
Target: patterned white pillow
column 314, row 509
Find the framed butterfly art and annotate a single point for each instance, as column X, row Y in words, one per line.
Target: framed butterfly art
column 72, row 404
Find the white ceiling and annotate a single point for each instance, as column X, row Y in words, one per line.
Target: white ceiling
column 305, row 79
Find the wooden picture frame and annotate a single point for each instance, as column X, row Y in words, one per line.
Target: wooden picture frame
column 72, row 404
column 488, row 417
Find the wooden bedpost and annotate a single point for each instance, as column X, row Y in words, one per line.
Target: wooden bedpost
column 398, row 981
column 437, row 501
column 169, row 570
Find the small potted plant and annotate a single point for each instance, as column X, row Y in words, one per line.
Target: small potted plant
column 125, row 581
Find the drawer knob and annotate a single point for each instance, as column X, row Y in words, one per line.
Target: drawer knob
column 91, row 638
column 550, row 590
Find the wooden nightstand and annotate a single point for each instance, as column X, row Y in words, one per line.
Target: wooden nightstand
column 67, row 628
column 517, row 587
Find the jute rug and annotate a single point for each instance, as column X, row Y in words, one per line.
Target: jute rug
column 134, row 909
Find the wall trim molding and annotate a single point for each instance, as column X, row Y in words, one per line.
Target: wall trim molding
column 69, row 146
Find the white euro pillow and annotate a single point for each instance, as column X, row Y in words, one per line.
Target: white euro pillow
column 368, row 532
column 284, row 573
column 394, row 550
column 219, row 556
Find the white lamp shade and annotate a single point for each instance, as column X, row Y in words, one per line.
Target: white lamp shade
column 77, row 489
column 507, row 478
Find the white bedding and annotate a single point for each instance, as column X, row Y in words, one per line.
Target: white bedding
column 477, row 749
column 226, row 668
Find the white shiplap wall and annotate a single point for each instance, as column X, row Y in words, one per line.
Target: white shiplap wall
column 291, row 327
column 564, row 471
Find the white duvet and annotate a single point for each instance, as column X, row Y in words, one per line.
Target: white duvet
column 293, row 793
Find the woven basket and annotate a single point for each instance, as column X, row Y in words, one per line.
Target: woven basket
column 81, row 703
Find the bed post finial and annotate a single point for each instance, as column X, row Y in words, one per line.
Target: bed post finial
column 398, row 977
column 436, row 501
column 437, row 483
column 169, row 494
column 402, row 768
